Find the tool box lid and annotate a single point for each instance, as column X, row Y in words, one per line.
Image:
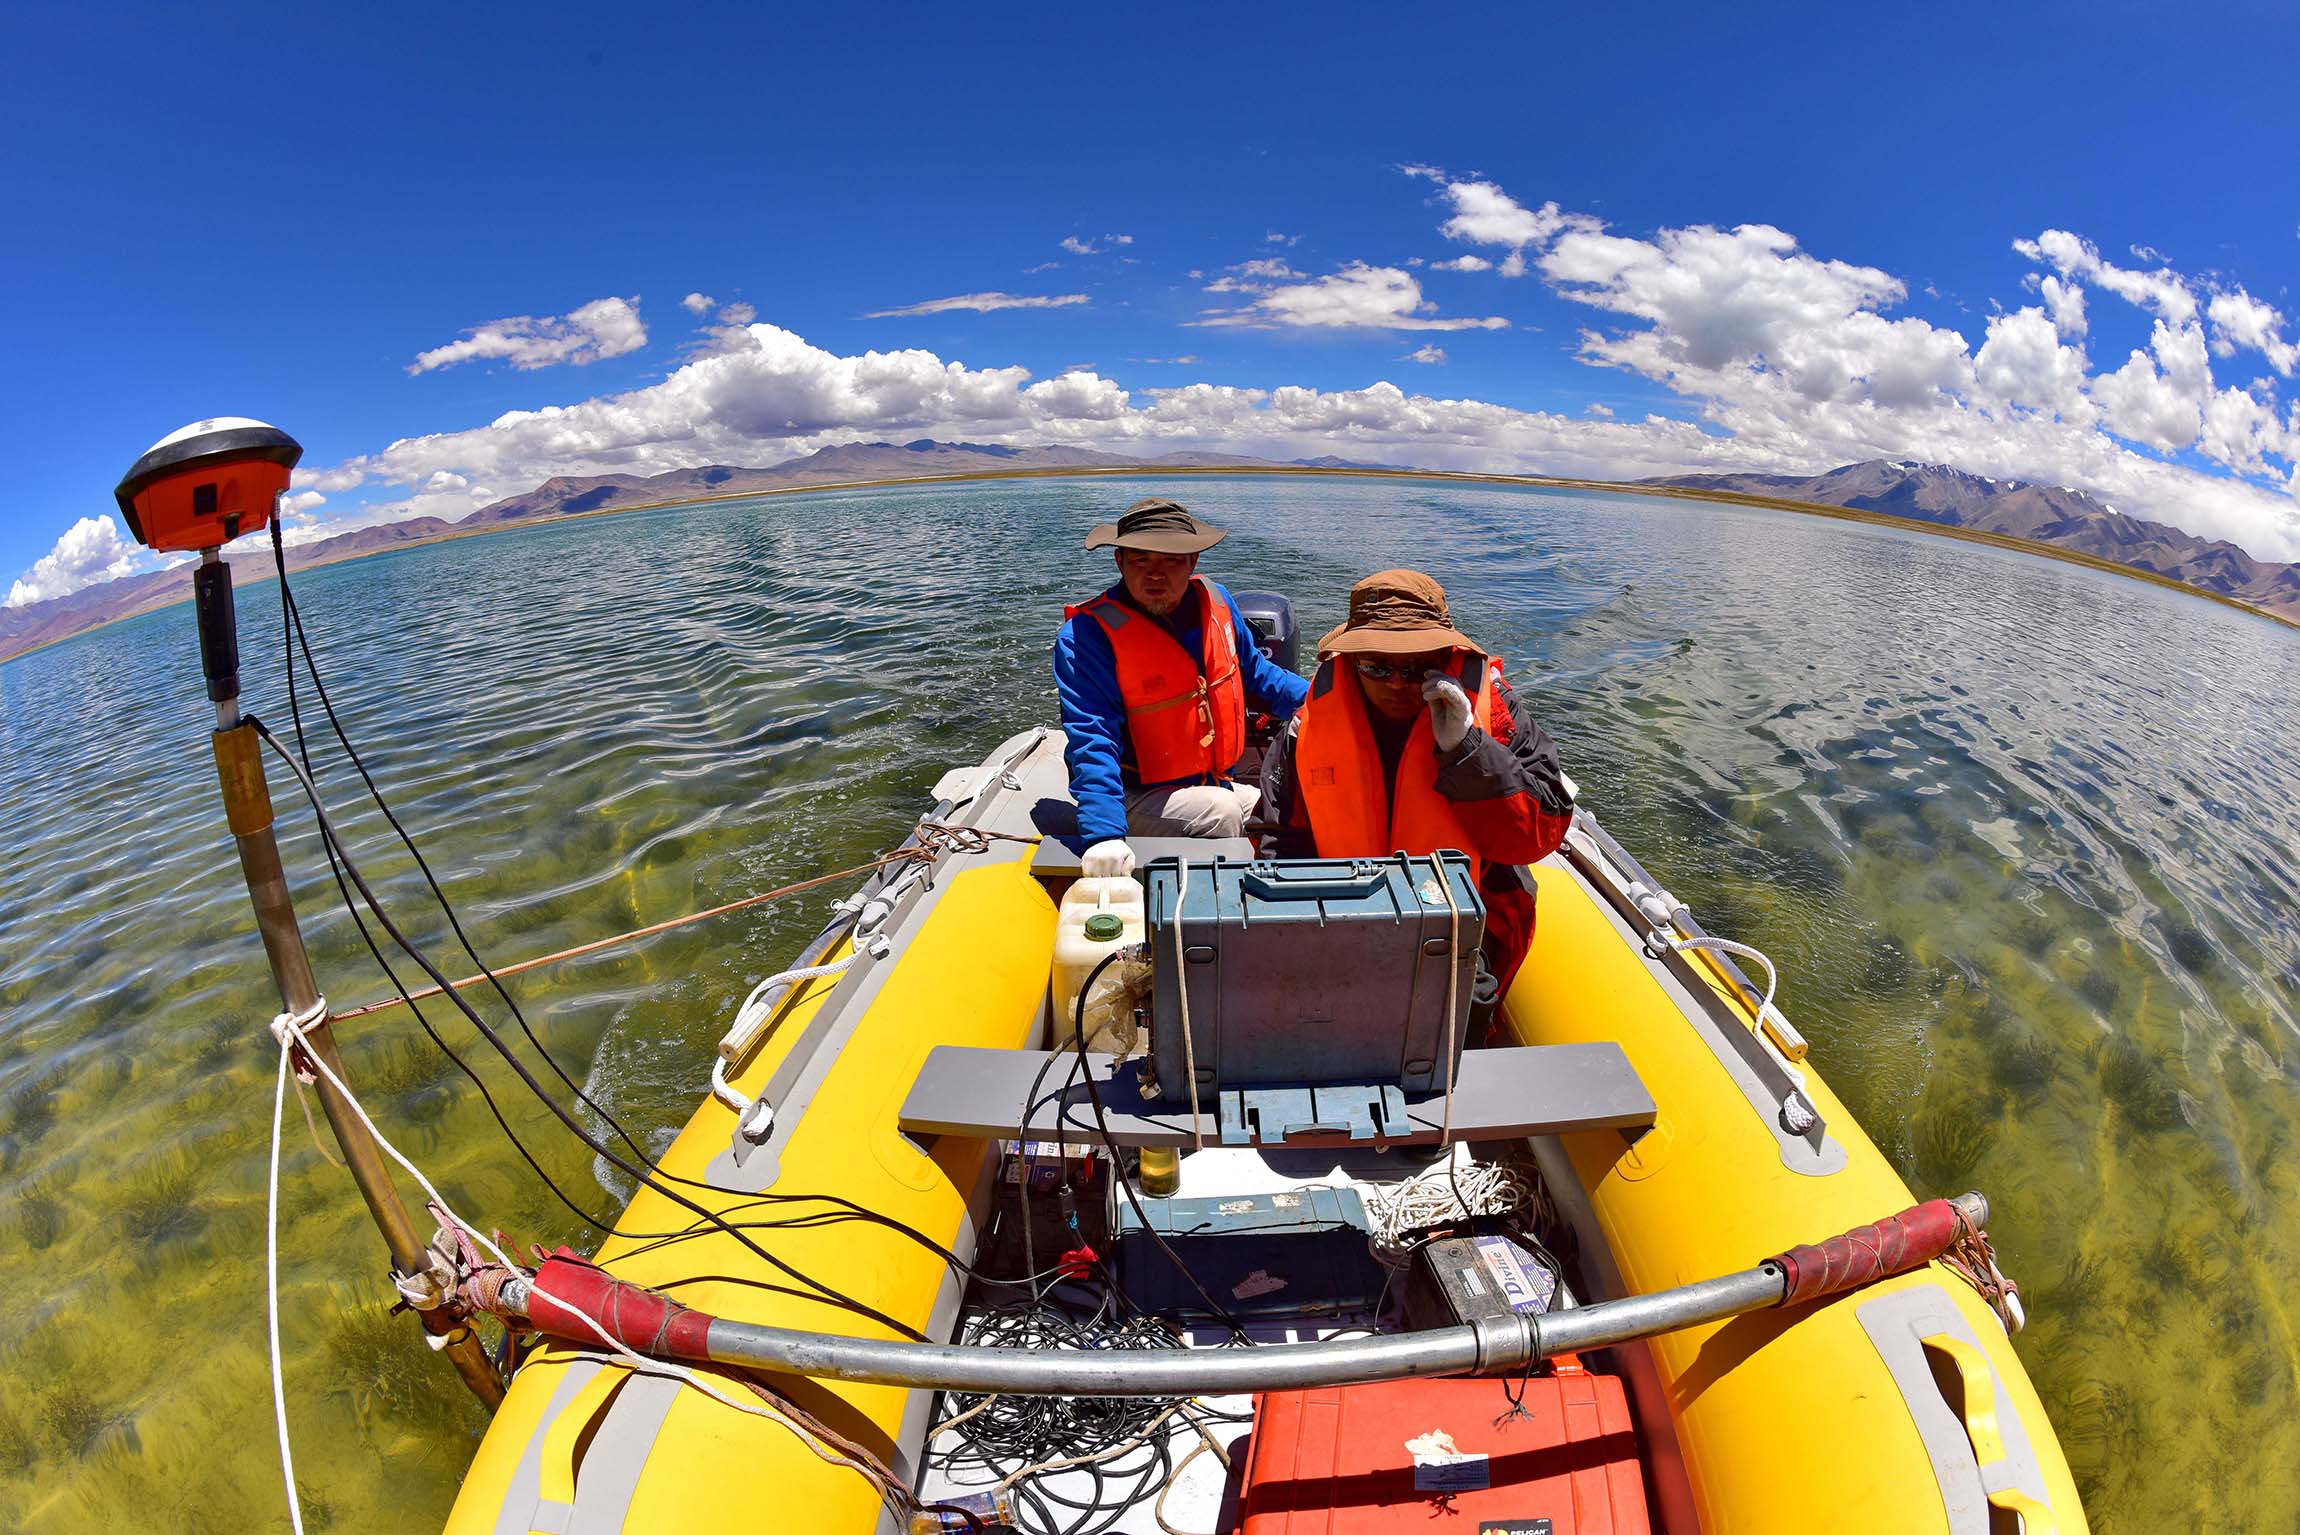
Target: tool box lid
column 1355, row 1460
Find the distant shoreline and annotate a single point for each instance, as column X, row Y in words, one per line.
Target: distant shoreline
column 2004, row 541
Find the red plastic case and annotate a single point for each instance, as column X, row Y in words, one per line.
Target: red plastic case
column 1336, row 1461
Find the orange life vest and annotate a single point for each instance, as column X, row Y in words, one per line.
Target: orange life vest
column 1352, row 813
column 1181, row 722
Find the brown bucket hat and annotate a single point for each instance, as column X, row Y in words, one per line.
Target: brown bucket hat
column 1396, row 612
column 1156, row 526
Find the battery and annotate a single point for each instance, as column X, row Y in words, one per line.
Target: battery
column 1296, row 1252
column 1032, row 1177
column 1457, row 1280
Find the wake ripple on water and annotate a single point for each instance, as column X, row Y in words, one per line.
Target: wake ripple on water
column 2021, row 834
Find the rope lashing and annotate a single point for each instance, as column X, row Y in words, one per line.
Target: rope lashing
column 1971, row 1258
column 934, row 839
column 481, row 1288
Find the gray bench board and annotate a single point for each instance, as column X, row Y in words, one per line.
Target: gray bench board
column 1506, row 1093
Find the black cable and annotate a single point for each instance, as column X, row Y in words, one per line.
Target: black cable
column 291, row 613
column 575, row 1127
column 1125, row 1184
column 351, row 907
column 295, row 614
column 1009, row 1433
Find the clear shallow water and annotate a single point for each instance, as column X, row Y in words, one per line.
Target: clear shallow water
column 2022, row 835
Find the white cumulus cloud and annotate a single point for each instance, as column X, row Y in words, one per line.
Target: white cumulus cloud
column 93, row 549
column 2023, row 363
column 2240, row 320
column 1428, row 352
column 605, row 327
column 1357, row 297
column 2073, row 256
column 2158, row 396
column 2066, row 301
column 698, row 303
column 1463, row 263
column 1782, row 360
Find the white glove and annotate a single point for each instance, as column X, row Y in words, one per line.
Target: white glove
column 1107, row 860
column 1449, row 711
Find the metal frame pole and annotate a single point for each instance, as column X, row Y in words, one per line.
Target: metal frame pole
column 248, row 811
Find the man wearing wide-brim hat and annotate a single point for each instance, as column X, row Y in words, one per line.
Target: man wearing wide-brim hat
column 1412, row 742
column 1155, row 676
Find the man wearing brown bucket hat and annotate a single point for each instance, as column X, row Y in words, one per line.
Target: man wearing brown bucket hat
column 1411, row 742
column 1154, row 677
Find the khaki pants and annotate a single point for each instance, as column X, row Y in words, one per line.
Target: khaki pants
column 1191, row 810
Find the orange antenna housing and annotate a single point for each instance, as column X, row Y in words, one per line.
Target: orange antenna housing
column 206, row 484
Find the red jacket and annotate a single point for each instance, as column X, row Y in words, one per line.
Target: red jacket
column 1507, row 791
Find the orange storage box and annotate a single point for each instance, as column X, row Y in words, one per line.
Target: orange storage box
column 1355, row 1460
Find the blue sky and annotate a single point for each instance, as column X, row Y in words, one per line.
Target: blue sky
column 2056, row 243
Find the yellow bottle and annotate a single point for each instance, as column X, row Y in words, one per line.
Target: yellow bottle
column 1161, row 1171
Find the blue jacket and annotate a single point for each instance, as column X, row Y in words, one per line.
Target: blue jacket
column 1094, row 715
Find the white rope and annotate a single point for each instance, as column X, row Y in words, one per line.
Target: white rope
column 1097, row 1457
column 289, row 1028
column 1182, row 990
column 1746, row 951
column 762, row 1000
column 1444, row 1192
column 272, row 1295
column 1452, row 991
column 887, row 1490
column 1663, row 910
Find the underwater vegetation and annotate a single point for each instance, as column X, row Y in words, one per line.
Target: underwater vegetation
column 2002, row 972
column 2024, row 1069
column 40, row 1217
column 160, row 1204
column 2136, row 1085
column 1946, row 1145
column 379, row 1364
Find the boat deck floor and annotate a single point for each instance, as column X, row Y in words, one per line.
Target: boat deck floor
column 1162, row 1486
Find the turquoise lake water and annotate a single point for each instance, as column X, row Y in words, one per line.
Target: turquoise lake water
column 2022, row 835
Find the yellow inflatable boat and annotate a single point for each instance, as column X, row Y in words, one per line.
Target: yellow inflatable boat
column 875, row 1131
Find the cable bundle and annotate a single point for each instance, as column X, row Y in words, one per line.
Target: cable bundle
column 1025, row 1443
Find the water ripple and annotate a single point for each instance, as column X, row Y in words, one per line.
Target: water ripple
column 2023, row 836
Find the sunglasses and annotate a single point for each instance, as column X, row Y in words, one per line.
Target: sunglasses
column 1392, row 671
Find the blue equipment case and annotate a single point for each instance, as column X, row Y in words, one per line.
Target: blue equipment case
column 1311, row 971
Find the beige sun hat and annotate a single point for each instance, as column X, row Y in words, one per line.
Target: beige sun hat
column 1396, row 612
column 1157, row 526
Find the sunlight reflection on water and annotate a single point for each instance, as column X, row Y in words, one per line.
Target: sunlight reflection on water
column 2022, row 835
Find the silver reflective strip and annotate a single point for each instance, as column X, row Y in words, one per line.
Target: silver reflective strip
column 1897, row 1325
column 523, row 1506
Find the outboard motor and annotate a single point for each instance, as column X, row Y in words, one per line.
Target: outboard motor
column 1272, row 619
column 1277, row 636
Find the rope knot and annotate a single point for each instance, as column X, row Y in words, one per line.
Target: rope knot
column 288, row 1030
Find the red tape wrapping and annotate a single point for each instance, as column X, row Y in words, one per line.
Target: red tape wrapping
column 640, row 1319
column 1894, row 1245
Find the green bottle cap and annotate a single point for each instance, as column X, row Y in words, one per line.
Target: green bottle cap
column 1104, row 926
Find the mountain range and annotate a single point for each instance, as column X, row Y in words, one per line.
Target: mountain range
column 2044, row 514
column 2052, row 515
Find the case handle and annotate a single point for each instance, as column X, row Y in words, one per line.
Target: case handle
column 1311, row 881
